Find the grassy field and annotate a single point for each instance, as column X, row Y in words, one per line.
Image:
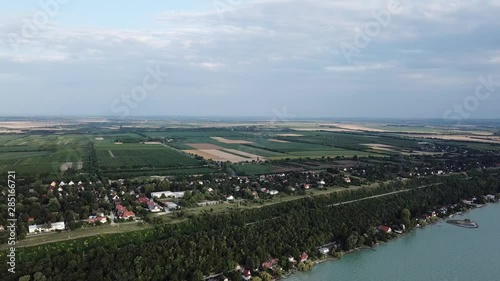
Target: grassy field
column 31, row 155
column 33, row 240
column 254, row 169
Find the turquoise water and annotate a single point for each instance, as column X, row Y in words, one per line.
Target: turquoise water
column 440, row 252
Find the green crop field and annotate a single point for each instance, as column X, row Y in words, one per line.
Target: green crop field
column 128, row 156
column 309, row 144
column 33, row 155
column 254, row 169
column 47, row 156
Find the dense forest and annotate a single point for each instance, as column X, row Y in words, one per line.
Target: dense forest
column 216, row 243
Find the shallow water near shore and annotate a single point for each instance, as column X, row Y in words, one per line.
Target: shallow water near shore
column 439, row 252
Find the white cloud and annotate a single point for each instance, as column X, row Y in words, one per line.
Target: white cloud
column 357, row 68
column 211, row 66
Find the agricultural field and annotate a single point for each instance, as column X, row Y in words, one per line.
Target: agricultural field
column 128, row 156
column 284, row 144
column 32, row 155
column 175, row 149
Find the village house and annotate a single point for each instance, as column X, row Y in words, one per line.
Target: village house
column 127, row 215
column 303, row 257
column 246, row 275
column 167, row 194
column 385, row 229
column 47, row 227
column 153, row 207
column 170, row 206
column 490, row 197
column 208, row 203
column 143, row 201
column 94, row 219
column 120, row 209
column 269, row 264
column 324, row 251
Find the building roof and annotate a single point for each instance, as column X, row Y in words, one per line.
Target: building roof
column 158, row 194
column 384, row 228
column 128, row 214
column 143, row 200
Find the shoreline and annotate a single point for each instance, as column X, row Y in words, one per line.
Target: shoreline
column 331, row 258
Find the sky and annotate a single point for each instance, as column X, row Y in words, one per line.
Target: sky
column 276, row 58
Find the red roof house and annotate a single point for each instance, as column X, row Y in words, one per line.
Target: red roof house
column 127, row 214
column 303, row 257
column 246, row 274
column 385, row 229
column 143, row 201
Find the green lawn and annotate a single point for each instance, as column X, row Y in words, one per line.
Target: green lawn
column 33, row 240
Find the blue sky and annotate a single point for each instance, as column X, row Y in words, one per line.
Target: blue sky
column 316, row 58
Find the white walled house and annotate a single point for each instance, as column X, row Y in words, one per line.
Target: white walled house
column 168, row 194
column 45, row 227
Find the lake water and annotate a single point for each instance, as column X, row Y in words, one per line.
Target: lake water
column 440, row 252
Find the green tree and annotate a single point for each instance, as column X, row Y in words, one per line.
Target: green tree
column 266, row 276
column 406, row 216
column 197, row 276
column 39, row 277
column 54, row 205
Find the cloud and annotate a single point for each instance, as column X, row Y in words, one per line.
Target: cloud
column 284, row 49
column 211, row 66
column 357, row 68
